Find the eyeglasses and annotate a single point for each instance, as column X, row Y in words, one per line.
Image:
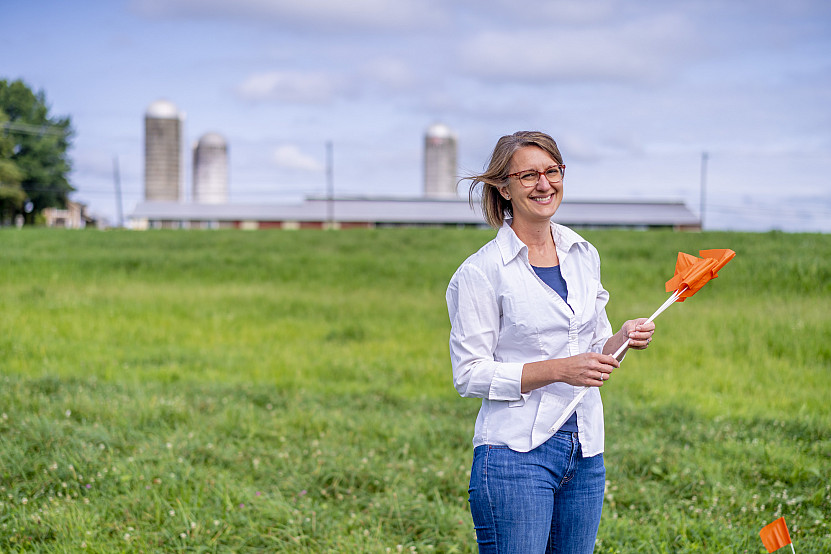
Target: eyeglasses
column 530, row 177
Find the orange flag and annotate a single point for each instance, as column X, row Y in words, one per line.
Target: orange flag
column 692, row 273
column 775, row 535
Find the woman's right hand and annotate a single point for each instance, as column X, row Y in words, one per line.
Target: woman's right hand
column 588, row 370
column 583, row 370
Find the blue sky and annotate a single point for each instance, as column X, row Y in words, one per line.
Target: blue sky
column 633, row 92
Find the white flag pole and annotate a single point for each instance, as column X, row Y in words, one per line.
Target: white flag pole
column 571, row 407
column 675, row 295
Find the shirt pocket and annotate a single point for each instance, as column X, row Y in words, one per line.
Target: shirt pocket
column 517, row 329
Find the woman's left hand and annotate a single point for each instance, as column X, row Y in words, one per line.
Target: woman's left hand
column 639, row 332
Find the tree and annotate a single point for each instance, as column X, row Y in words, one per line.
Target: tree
column 12, row 194
column 38, row 152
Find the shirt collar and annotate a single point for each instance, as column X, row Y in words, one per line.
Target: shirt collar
column 510, row 246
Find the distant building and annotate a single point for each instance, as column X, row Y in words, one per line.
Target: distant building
column 314, row 213
column 162, row 152
column 439, row 206
column 440, row 177
column 210, row 170
column 73, row 217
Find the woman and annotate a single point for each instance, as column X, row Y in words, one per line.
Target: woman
column 528, row 327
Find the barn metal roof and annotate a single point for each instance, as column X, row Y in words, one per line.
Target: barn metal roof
column 414, row 211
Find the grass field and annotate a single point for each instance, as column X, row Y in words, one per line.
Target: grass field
column 291, row 391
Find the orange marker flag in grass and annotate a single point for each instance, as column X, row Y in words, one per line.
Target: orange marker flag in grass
column 775, row 535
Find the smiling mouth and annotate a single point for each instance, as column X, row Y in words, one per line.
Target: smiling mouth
column 543, row 199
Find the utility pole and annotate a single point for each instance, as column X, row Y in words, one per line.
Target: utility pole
column 117, row 181
column 704, row 158
column 330, row 186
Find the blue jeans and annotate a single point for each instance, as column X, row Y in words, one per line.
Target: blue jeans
column 545, row 500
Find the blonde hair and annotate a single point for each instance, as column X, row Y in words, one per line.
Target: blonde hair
column 494, row 206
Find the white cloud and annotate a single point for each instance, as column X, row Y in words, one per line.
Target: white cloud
column 378, row 14
column 530, row 12
column 291, row 86
column 393, row 73
column 289, row 156
column 619, row 51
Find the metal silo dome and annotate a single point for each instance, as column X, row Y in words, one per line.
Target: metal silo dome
column 214, row 140
column 439, row 130
column 163, row 109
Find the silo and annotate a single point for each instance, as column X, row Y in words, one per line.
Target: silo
column 162, row 152
column 440, row 162
column 210, row 170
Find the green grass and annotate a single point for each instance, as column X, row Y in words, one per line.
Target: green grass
column 291, row 391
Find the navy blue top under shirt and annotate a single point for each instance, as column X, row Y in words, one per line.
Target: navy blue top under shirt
column 552, row 277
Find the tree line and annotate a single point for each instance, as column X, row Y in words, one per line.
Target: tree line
column 34, row 160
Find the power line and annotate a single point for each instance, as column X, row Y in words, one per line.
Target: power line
column 27, row 129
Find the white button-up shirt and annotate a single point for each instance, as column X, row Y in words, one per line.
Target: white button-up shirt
column 503, row 316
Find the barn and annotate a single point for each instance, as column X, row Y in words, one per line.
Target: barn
column 349, row 212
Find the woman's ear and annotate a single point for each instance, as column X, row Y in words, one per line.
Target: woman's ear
column 505, row 194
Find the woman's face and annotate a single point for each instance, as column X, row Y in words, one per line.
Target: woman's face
column 538, row 203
